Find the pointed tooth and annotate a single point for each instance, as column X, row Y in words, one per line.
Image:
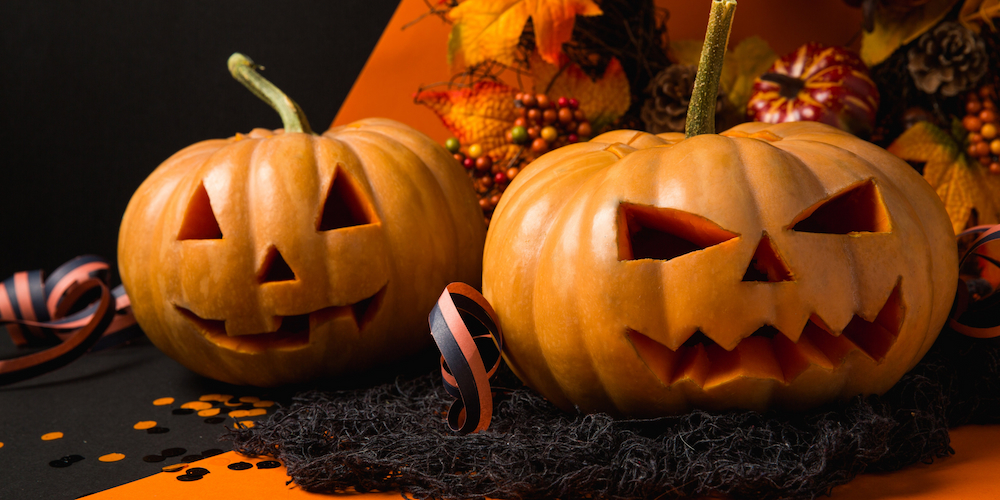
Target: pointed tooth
column 660, row 359
column 693, row 365
column 834, row 348
column 893, row 311
column 795, row 357
column 871, row 338
column 753, row 358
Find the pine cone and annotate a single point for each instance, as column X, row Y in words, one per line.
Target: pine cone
column 947, row 59
column 665, row 110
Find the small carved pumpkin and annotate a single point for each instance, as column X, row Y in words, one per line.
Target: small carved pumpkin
column 283, row 256
column 786, row 265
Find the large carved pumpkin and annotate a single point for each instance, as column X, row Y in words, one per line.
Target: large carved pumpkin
column 786, row 265
column 281, row 256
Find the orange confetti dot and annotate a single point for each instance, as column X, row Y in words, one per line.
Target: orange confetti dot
column 173, row 468
column 52, row 435
column 211, row 412
column 256, row 411
column 111, row 457
column 1, row 444
column 210, row 397
column 163, row 401
column 233, row 403
column 263, row 404
column 145, row 424
column 249, row 399
column 246, row 424
column 197, row 405
column 239, row 413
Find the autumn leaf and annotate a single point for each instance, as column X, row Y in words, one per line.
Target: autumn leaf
column 603, row 101
column 979, row 11
column 491, row 29
column 962, row 185
column 742, row 65
column 893, row 30
column 480, row 115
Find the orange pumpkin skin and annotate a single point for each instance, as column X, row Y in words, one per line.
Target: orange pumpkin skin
column 847, row 293
column 371, row 220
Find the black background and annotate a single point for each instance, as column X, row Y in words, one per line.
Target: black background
column 94, row 95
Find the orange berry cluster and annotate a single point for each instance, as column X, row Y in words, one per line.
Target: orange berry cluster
column 489, row 178
column 981, row 120
column 545, row 124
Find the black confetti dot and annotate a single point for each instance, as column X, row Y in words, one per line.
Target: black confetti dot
column 158, row 430
column 173, row 452
column 212, row 452
column 73, row 458
column 215, row 420
column 153, row 458
column 197, row 471
column 268, row 464
column 182, row 411
column 241, row 466
column 191, row 458
column 59, row 464
column 188, row 477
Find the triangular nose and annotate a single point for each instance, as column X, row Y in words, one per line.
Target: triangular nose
column 766, row 264
column 275, row 268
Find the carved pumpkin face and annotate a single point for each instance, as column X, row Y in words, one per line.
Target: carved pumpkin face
column 276, row 258
column 784, row 265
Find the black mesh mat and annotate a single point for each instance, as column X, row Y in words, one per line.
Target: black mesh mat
column 394, row 437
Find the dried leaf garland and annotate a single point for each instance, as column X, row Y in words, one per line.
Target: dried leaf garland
column 962, row 185
column 894, row 29
column 480, row 114
column 490, row 29
column 975, row 12
column 603, row 101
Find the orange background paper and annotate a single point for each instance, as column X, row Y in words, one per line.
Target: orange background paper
column 406, row 59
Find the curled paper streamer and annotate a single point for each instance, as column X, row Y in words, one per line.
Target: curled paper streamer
column 466, row 330
column 981, row 318
column 60, row 313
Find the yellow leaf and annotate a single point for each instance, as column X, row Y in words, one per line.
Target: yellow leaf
column 490, row 29
column 603, row 101
column 480, row 115
column 741, row 66
column 961, row 184
column 892, row 30
column 979, row 11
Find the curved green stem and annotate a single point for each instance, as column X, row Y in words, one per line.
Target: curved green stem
column 701, row 112
column 244, row 71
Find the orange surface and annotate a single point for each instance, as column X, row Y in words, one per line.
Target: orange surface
column 406, row 59
column 970, row 473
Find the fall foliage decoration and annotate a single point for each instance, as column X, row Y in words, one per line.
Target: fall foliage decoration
column 770, row 265
column 890, row 24
column 948, row 59
column 285, row 256
column 817, row 83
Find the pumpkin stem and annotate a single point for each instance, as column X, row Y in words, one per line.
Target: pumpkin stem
column 701, row 111
column 244, row 71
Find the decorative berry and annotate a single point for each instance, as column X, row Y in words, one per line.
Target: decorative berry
column 500, row 178
column 995, row 147
column 475, row 151
column 583, row 130
column 468, row 163
column 512, row 172
column 539, row 145
column 989, row 131
column 543, row 101
column 519, row 134
column 452, row 145
column 573, row 138
column 573, row 103
column 549, row 134
column 484, row 163
column 972, row 123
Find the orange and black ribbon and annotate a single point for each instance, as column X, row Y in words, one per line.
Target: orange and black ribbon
column 61, row 314
column 977, row 318
column 467, row 332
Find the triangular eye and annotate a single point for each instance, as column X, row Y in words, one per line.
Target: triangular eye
column 199, row 220
column 275, row 268
column 857, row 209
column 344, row 205
column 766, row 264
column 646, row 232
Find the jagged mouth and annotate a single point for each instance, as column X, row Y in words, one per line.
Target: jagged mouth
column 770, row 354
column 293, row 332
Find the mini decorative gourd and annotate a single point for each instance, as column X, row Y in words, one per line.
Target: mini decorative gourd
column 771, row 265
column 285, row 256
column 817, row 83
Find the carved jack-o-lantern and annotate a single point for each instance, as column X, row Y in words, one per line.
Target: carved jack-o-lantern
column 280, row 257
column 785, row 265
